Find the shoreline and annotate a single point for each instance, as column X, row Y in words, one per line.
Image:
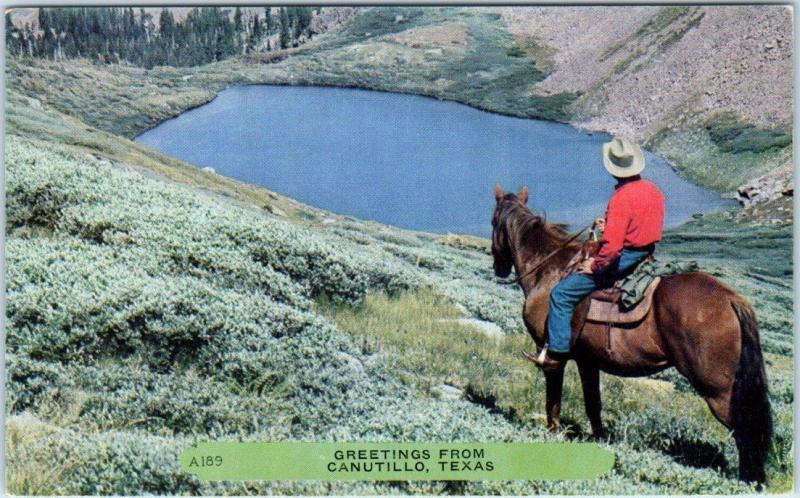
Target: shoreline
column 723, row 194
column 265, row 74
column 717, row 204
column 493, row 61
column 165, row 92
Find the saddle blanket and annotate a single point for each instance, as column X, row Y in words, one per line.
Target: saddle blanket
column 608, row 309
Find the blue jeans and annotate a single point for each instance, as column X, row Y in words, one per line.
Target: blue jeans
column 570, row 291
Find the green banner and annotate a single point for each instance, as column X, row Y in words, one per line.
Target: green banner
column 396, row 461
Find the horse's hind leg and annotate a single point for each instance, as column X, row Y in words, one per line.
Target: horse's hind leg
column 720, row 406
column 751, row 428
column 727, row 369
column 590, row 381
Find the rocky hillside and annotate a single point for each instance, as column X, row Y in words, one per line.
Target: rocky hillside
column 664, row 75
column 640, row 69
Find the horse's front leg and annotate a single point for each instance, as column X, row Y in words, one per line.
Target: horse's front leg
column 554, row 380
column 590, row 381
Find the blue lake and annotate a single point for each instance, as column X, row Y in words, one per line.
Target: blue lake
column 406, row 160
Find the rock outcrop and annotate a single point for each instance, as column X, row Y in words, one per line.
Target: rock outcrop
column 766, row 188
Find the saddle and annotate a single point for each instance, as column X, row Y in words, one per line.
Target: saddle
column 605, row 306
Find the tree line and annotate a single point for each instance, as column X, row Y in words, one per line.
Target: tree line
column 115, row 34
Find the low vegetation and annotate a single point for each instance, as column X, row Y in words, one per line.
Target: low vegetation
column 726, row 143
column 732, row 135
column 742, row 153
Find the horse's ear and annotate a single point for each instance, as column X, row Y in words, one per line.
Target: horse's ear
column 498, row 192
column 523, row 195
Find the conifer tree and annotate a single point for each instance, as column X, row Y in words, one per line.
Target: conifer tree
column 256, row 28
column 166, row 24
column 255, row 34
column 269, row 21
column 12, row 36
column 237, row 20
column 284, row 39
column 29, row 40
column 113, row 35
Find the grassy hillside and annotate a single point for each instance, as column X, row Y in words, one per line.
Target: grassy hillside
column 151, row 304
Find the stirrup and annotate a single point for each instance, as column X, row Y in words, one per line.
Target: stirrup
column 538, row 360
column 542, row 355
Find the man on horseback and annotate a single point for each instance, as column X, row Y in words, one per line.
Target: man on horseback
column 632, row 226
column 693, row 322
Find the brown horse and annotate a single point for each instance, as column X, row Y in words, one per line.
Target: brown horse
column 696, row 324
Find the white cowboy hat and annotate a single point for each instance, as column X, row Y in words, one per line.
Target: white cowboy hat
column 622, row 158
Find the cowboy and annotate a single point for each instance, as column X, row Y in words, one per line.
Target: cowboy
column 632, row 226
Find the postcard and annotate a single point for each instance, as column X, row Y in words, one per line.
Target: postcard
column 399, row 250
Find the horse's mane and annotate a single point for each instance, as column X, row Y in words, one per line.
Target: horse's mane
column 531, row 229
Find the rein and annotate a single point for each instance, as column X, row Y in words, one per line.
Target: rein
column 539, row 265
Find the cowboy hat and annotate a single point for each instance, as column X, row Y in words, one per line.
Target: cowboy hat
column 622, row 158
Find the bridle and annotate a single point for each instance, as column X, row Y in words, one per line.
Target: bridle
column 543, row 260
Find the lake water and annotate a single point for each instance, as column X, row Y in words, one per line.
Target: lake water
column 405, row 160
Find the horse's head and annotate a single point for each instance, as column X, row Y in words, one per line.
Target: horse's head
column 501, row 248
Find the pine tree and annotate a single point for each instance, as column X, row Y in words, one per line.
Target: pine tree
column 285, row 35
column 144, row 21
column 28, row 39
column 305, row 16
column 226, row 45
column 255, row 35
column 166, row 24
column 46, row 45
column 237, row 20
column 269, row 21
column 44, row 20
column 256, row 28
column 12, row 36
column 113, row 35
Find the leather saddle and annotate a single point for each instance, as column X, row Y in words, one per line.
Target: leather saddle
column 605, row 307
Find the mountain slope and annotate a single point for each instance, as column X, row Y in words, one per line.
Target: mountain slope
column 672, row 77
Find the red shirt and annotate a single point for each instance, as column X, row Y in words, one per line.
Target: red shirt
column 634, row 219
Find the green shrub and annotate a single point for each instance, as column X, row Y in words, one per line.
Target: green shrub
column 732, row 135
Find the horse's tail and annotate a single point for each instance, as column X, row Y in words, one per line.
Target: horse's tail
column 751, row 417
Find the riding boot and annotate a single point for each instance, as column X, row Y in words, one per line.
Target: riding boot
column 551, row 360
column 547, row 360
